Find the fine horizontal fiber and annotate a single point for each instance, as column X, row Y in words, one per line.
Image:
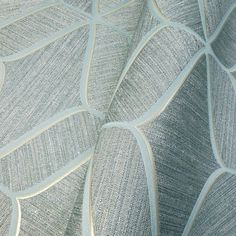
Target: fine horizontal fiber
column 22, row 11
column 47, row 153
column 216, row 215
column 43, row 43
column 180, row 142
column 43, row 89
column 10, row 8
column 106, row 62
column 105, row 6
column 16, row 36
column 42, row 215
column 118, row 163
column 150, row 76
column 5, row 213
column 214, row 11
column 223, row 113
column 126, row 18
column 183, row 11
column 85, row 5
column 224, row 45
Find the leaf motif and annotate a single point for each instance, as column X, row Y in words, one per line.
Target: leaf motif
column 42, row 214
column 223, row 113
column 214, row 11
column 85, row 5
column 60, row 74
column 224, row 44
column 216, row 215
column 180, row 141
column 121, row 169
column 147, row 77
column 108, row 5
column 107, row 60
column 41, row 155
column 42, row 90
column 127, row 17
column 147, row 22
column 183, row 11
column 41, row 24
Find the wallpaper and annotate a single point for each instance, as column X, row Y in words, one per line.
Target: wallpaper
column 118, row 117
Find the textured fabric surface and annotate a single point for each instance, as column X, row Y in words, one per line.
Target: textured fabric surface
column 118, row 181
column 218, row 209
column 186, row 12
column 117, row 117
column 180, row 141
column 150, row 75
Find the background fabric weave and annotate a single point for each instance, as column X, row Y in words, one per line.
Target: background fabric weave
column 117, row 117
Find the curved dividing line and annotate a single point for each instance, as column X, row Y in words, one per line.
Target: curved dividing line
column 144, row 42
column 150, row 171
column 18, row 223
column 37, row 130
column 233, row 80
column 56, row 177
column 86, row 64
column 218, row 157
column 87, row 217
column 2, row 74
column 151, row 8
column 232, row 69
column 94, row 112
column 203, row 16
column 119, row 7
column 228, row 71
column 154, row 8
column 211, row 125
column 67, row 5
column 95, row 6
column 42, row 43
column 168, row 22
column 160, row 16
column 205, row 190
column 97, row 19
column 89, row 55
column 169, row 94
column 14, row 227
column 136, row 52
column 186, row 29
column 222, row 23
column 29, row 12
column 212, row 53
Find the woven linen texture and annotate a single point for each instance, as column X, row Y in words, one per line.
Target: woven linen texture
column 117, row 117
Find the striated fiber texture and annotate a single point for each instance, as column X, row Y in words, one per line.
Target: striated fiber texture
column 117, row 117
